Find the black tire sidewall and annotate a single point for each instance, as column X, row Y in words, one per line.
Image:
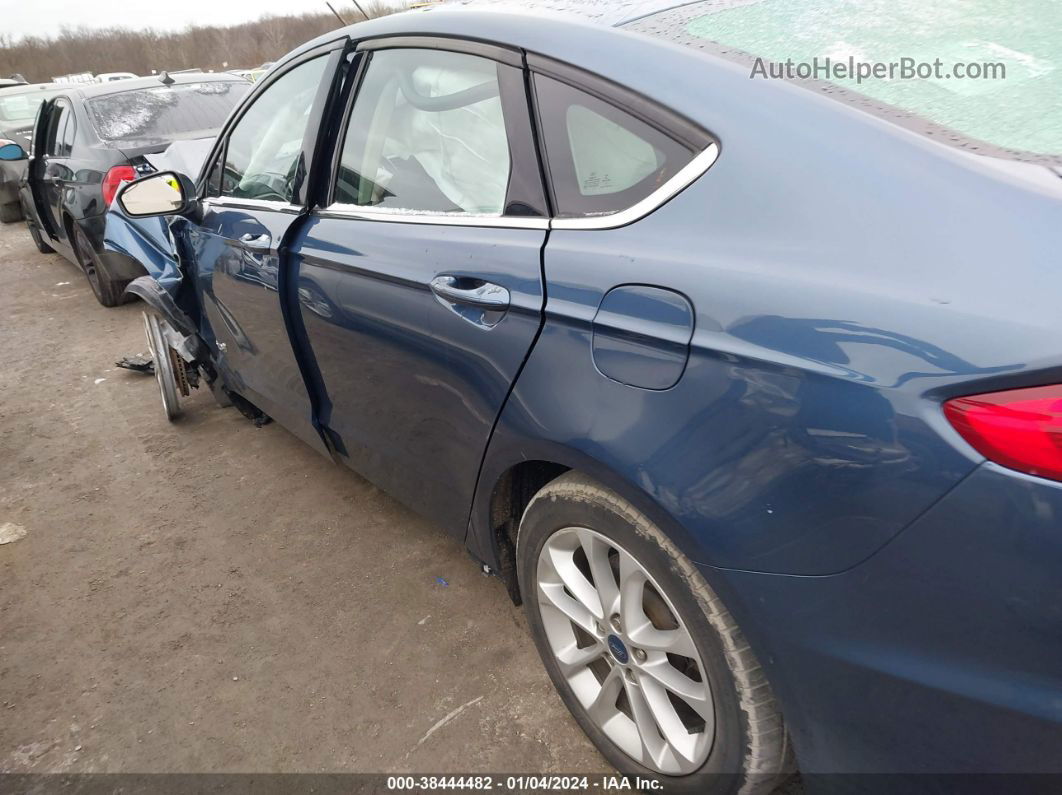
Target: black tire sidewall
column 38, row 240
column 722, row 771
column 107, row 291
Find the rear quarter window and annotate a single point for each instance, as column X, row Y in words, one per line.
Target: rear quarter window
column 164, row 113
column 601, row 158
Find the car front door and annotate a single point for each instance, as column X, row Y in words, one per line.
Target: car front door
column 419, row 279
column 48, row 171
column 255, row 196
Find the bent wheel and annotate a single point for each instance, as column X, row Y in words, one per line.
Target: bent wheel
column 167, row 361
column 643, row 653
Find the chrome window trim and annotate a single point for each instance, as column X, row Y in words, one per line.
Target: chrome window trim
column 252, row 204
column 685, row 177
column 341, row 210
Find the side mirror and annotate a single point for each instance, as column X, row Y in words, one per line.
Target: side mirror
column 165, row 193
column 9, row 150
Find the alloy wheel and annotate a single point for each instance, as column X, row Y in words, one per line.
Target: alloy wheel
column 624, row 651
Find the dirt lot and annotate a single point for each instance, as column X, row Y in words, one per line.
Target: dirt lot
column 208, row 596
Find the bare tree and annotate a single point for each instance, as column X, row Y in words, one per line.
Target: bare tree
column 142, row 51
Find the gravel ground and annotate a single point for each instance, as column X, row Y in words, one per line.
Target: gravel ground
column 209, row 596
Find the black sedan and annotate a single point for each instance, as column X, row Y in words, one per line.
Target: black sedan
column 90, row 139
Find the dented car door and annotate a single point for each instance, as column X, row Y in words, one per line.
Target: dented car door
column 256, row 197
column 420, row 284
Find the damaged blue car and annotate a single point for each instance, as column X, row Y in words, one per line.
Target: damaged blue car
column 751, row 394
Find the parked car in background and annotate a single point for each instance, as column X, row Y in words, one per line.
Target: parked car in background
column 750, row 393
column 89, row 139
column 255, row 74
column 75, row 77
column 8, row 82
column 110, row 77
column 18, row 107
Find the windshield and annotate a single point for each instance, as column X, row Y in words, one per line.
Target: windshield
column 165, row 113
column 987, row 69
column 21, row 108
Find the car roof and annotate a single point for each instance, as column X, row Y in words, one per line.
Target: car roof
column 26, row 88
column 602, row 12
column 555, row 28
column 543, row 25
column 93, row 90
column 422, row 20
column 1015, row 117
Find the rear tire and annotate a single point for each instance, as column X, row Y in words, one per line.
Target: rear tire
column 108, row 290
column 652, row 664
column 10, row 212
column 38, row 239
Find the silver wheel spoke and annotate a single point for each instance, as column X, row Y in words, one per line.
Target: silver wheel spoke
column 648, row 733
column 667, row 719
column 563, row 561
column 574, row 610
column 662, row 672
column 632, row 581
column 675, row 641
column 603, row 707
column 572, row 659
column 597, row 550
column 637, row 624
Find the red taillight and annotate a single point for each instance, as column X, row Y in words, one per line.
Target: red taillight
column 114, row 179
column 1019, row 428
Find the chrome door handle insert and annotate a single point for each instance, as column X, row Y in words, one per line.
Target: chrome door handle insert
column 471, row 291
column 255, row 241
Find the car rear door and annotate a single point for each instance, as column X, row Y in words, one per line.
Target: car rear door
column 419, row 279
column 256, row 194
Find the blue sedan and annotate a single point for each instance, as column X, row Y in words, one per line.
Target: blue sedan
column 749, row 393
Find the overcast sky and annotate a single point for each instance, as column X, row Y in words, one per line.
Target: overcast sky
column 44, row 17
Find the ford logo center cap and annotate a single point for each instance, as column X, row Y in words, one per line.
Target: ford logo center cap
column 619, row 651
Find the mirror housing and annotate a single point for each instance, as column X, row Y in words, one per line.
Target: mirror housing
column 9, row 150
column 163, row 193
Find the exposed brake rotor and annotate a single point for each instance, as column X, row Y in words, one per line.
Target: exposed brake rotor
column 180, row 372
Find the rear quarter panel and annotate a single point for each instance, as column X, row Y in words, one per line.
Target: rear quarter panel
column 846, row 276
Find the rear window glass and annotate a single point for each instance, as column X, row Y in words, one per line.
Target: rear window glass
column 165, row 113
column 990, row 70
column 21, row 108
